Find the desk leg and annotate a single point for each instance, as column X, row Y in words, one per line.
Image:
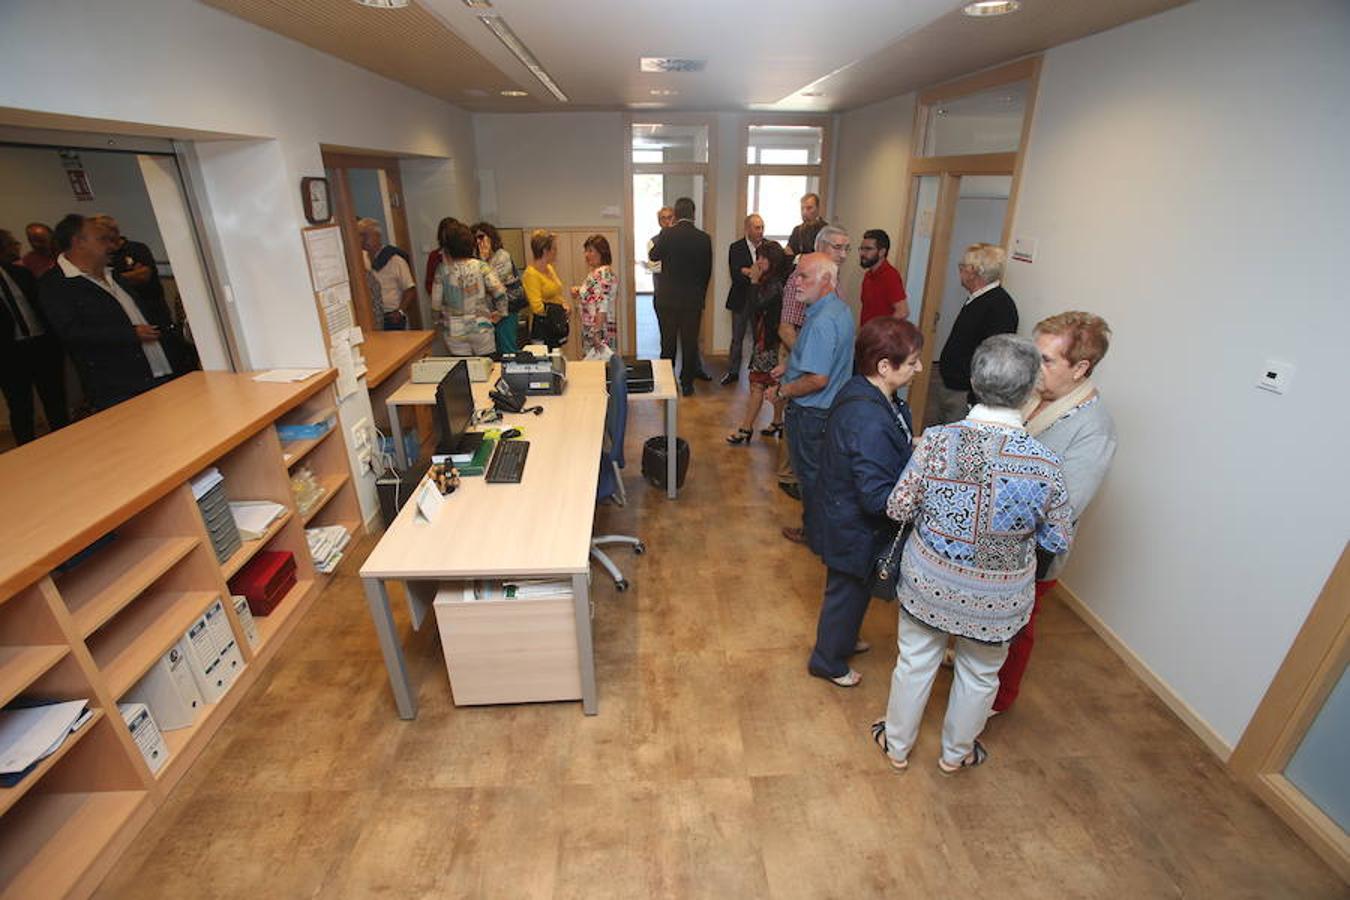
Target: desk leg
column 396, row 430
column 671, row 461
column 581, row 596
column 377, row 598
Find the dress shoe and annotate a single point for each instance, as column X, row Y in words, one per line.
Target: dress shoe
column 702, row 375
column 687, row 390
column 792, row 490
column 729, row 378
column 796, row 535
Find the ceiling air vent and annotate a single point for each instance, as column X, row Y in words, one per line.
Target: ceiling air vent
column 672, row 64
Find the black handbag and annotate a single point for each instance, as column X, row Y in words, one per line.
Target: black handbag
column 515, row 293
column 551, row 327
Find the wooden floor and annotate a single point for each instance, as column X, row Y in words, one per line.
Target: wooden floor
column 717, row 767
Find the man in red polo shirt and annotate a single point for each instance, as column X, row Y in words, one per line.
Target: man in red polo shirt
column 883, row 291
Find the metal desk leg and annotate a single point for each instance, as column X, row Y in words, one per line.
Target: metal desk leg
column 396, row 430
column 377, row 598
column 581, row 597
column 671, row 467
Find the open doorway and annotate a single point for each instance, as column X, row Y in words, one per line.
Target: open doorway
column 48, row 381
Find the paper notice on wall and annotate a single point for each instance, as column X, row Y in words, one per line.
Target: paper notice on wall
column 336, row 303
column 354, row 335
column 340, row 353
column 327, row 265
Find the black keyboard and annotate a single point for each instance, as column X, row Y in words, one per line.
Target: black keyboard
column 508, row 462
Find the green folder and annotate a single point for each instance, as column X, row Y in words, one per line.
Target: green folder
column 478, row 465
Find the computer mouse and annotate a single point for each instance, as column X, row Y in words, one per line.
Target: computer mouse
column 510, row 433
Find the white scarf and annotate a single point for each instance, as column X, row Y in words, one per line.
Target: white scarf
column 1056, row 410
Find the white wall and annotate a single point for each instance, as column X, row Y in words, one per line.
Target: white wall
column 1187, row 180
column 871, row 178
column 211, row 71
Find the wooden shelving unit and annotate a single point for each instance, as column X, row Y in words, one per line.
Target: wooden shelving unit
column 93, row 631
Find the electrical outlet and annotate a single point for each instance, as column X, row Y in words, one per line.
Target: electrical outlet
column 361, row 435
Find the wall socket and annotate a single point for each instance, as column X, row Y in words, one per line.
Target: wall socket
column 363, row 444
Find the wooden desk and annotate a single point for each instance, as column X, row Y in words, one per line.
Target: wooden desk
column 582, row 377
column 388, row 351
column 539, row 527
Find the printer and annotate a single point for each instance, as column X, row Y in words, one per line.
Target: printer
column 529, row 373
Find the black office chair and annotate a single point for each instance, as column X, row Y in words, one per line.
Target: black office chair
column 610, row 486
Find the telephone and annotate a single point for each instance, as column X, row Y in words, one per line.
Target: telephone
column 507, row 400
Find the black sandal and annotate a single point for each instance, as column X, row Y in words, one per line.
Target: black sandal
column 774, row 430
column 879, row 738
column 742, row 436
column 977, row 757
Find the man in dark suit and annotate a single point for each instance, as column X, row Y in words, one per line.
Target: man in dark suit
column 118, row 346
column 30, row 355
column 685, row 254
column 989, row 310
column 740, row 258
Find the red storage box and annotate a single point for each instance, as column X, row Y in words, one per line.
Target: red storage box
column 264, row 580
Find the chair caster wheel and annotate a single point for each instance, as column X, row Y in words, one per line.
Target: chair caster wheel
column 639, row 548
column 621, row 586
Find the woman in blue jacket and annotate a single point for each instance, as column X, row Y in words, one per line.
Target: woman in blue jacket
column 867, row 444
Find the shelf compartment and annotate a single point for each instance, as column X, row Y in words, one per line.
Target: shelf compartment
column 331, row 485
column 12, row 795
column 127, row 648
column 21, row 666
column 99, row 588
column 54, row 838
column 294, row 451
column 248, row 549
column 270, row 625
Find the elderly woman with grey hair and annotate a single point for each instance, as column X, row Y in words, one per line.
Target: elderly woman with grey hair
column 982, row 494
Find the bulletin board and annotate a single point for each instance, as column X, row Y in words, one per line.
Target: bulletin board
column 333, row 298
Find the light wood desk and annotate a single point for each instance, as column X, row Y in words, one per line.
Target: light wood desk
column 389, row 357
column 539, row 527
column 582, row 377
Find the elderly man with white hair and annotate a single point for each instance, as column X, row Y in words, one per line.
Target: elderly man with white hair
column 988, row 310
column 820, row 362
column 982, row 495
column 393, row 290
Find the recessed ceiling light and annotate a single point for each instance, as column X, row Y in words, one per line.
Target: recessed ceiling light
column 515, row 93
column 384, row 4
column 983, row 8
column 478, row 4
column 671, row 64
column 663, row 92
column 813, row 93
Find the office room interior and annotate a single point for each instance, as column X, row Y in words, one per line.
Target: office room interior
column 1176, row 168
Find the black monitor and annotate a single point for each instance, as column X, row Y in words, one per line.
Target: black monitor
column 454, row 411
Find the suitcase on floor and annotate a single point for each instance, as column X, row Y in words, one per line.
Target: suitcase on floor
column 654, row 461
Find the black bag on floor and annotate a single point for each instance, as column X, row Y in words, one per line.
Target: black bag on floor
column 654, row 460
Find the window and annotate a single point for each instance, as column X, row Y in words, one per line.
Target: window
column 783, row 161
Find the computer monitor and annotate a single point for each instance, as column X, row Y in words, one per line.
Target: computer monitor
column 454, row 411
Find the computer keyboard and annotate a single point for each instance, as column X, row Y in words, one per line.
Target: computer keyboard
column 508, row 462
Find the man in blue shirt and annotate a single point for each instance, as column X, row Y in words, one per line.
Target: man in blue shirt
column 821, row 361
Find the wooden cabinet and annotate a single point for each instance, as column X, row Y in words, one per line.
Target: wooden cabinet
column 93, row 629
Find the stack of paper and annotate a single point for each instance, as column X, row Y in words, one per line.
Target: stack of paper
column 28, row 736
column 534, row 589
column 252, row 517
column 326, row 545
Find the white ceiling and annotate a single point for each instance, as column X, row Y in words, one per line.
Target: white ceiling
column 760, row 56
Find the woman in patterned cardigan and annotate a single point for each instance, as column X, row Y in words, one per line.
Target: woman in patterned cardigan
column 982, row 494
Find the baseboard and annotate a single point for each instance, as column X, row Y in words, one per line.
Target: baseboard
column 1183, row 710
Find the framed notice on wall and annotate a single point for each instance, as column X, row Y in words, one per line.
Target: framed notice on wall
column 333, row 297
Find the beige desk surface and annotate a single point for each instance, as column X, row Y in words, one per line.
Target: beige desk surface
column 540, row 526
column 582, row 377
column 386, row 351
column 64, row 490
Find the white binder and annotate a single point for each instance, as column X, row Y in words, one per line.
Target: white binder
column 219, row 626
column 214, row 679
column 145, row 733
column 245, row 616
column 169, row 690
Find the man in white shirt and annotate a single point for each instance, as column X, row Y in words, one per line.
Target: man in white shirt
column 115, row 345
column 393, row 288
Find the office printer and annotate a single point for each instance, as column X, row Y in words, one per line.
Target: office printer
column 528, row 373
column 638, row 375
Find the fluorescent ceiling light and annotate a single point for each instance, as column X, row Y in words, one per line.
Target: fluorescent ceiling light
column 514, row 93
column 671, row 64
column 662, row 92
column 384, row 4
column 983, row 8
column 478, row 4
column 497, row 25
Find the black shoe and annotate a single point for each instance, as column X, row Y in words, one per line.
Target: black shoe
column 687, row 390
column 729, row 378
column 702, row 376
column 792, row 490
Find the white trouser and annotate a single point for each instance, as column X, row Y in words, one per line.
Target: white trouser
column 974, row 685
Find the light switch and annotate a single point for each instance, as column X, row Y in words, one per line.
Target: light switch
column 1024, row 249
column 1276, row 376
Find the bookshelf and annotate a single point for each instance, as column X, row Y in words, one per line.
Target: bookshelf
column 91, row 630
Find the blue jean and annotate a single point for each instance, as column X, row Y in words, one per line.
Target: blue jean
column 841, row 615
column 805, row 428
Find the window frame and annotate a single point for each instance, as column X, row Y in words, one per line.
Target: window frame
column 820, row 171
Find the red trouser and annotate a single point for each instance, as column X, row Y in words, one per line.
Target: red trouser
column 1019, row 654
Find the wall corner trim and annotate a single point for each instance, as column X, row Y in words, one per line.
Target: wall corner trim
column 1183, row 710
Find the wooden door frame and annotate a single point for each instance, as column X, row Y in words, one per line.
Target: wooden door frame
column 628, row 233
column 1306, row 678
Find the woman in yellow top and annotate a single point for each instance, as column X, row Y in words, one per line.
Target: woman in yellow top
column 542, row 285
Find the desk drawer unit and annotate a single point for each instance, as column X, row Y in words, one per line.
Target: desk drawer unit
column 508, row 651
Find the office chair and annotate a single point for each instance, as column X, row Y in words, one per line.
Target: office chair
column 611, row 464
